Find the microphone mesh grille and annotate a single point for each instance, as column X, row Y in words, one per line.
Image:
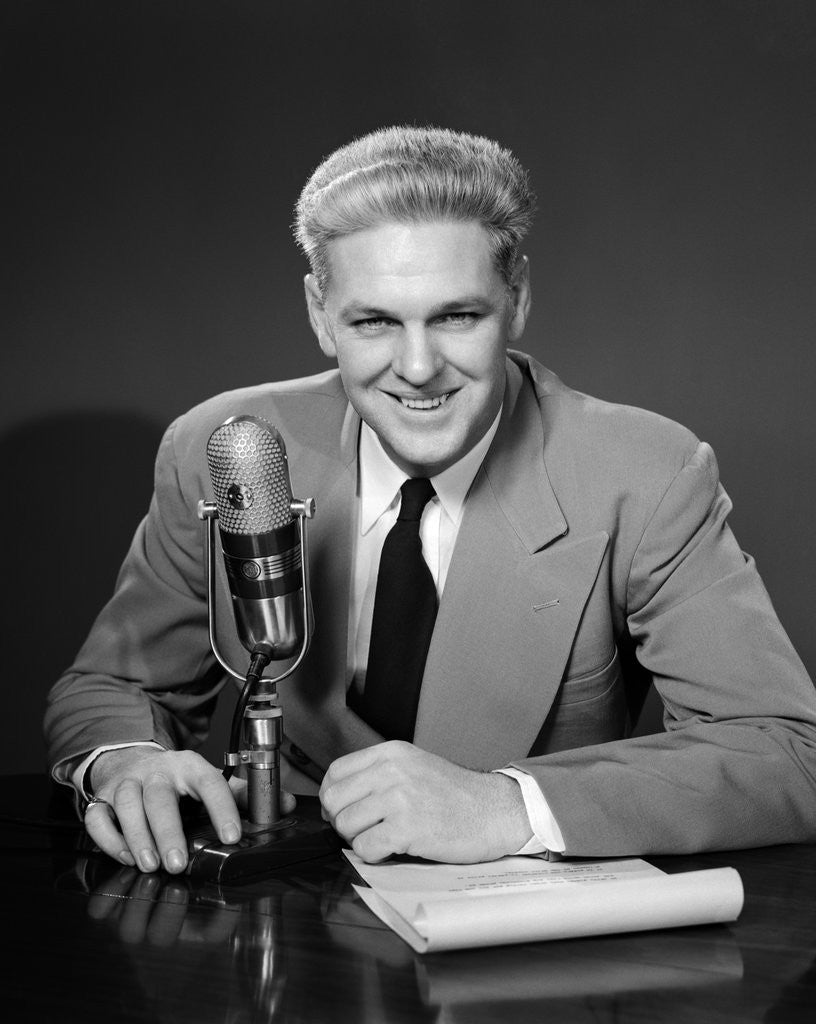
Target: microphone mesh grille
column 247, row 460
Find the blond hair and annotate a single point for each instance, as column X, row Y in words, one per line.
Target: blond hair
column 415, row 175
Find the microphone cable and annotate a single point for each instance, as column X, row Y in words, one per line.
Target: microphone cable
column 261, row 656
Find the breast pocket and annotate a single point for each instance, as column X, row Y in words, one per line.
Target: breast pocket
column 591, row 685
column 588, row 709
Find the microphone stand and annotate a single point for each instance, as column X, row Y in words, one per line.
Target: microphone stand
column 268, row 841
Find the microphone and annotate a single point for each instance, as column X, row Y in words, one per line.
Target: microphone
column 260, row 541
column 263, row 540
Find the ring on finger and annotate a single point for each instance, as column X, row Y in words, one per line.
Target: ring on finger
column 94, row 801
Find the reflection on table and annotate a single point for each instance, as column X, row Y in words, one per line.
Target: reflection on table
column 95, row 941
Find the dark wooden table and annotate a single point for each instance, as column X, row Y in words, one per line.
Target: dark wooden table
column 87, row 940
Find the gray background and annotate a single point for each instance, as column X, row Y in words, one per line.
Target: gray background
column 153, row 154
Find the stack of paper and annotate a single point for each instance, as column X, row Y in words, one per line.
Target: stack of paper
column 436, row 907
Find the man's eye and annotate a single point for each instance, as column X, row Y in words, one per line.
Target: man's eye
column 460, row 319
column 372, row 323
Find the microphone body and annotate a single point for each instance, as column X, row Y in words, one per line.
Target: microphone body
column 259, row 533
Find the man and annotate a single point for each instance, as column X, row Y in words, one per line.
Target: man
column 579, row 550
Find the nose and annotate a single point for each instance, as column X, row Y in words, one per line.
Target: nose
column 415, row 356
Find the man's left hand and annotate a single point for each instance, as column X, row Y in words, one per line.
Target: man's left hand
column 394, row 798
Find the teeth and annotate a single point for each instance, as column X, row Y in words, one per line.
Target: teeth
column 425, row 403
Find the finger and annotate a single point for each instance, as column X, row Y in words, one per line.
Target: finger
column 160, row 800
column 288, row 802
column 359, row 817
column 361, row 760
column 102, row 905
column 214, row 792
column 238, row 787
column 129, row 807
column 351, row 764
column 376, row 844
column 147, row 888
column 168, row 916
column 177, row 892
column 136, row 916
column 339, row 794
column 101, row 827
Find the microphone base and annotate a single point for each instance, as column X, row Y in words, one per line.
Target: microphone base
column 301, row 836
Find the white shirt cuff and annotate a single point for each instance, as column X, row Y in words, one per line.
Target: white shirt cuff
column 546, row 833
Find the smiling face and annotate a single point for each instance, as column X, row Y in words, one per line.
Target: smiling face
column 419, row 319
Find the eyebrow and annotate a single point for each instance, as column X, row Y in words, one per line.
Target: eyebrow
column 359, row 309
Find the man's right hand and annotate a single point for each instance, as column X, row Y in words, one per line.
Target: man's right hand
column 143, row 785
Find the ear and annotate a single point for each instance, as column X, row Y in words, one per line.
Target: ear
column 318, row 317
column 520, row 299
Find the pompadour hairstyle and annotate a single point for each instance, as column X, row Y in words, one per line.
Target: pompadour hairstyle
column 415, row 175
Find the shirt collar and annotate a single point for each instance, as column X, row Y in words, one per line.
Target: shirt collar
column 380, row 479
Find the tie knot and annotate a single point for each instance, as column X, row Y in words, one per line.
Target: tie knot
column 416, row 493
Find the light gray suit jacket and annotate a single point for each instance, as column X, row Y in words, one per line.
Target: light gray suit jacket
column 593, row 558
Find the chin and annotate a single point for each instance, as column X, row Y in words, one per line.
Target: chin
column 425, row 455
column 429, row 464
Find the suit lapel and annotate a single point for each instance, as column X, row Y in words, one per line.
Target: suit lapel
column 512, row 602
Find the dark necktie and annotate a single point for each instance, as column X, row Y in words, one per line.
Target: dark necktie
column 402, row 623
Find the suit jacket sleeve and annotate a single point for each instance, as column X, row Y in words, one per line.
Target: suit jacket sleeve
column 736, row 765
column 146, row 671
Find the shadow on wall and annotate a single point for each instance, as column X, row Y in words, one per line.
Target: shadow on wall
column 77, row 484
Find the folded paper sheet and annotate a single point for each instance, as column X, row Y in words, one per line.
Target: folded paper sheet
column 436, row 907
